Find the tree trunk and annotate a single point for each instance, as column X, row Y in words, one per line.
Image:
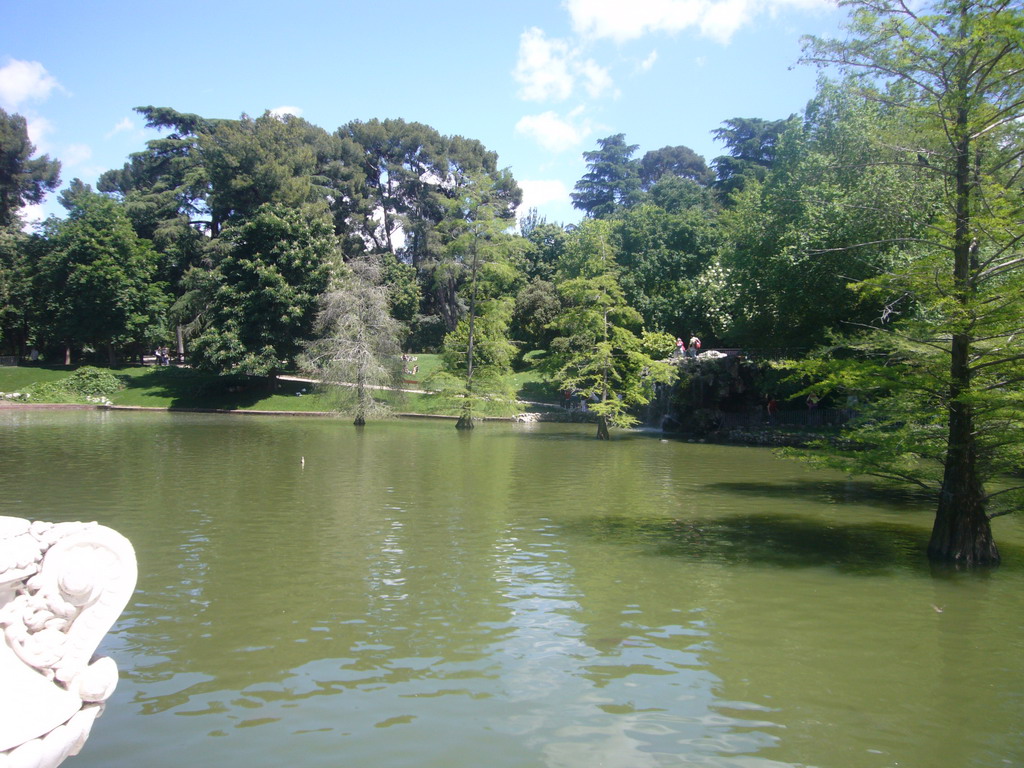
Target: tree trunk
column 359, row 421
column 961, row 534
column 181, row 344
column 602, row 429
column 67, row 354
column 465, row 421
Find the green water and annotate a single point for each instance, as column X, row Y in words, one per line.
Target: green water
column 313, row 595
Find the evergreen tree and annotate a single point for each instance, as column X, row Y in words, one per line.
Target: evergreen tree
column 678, row 162
column 597, row 352
column 477, row 241
column 752, row 143
column 24, row 179
column 258, row 303
column 950, row 363
column 612, row 179
column 358, row 343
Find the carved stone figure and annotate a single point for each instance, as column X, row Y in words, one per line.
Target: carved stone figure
column 62, row 586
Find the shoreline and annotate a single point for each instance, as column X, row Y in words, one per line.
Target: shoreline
column 758, row 438
column 23, row 406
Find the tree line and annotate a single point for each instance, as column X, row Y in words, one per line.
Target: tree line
column 876, row 235
column 232, row 229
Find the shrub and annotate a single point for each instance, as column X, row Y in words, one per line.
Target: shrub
column 85, row 383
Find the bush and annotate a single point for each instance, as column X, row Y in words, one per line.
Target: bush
column 87, row 383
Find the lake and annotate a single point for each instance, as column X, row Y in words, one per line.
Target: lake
column 311, row 594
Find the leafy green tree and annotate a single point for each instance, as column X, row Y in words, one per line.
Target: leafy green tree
column 410, row 173
column 24, row 179
column 751, row 143
column 544, row 244
column 612, row 179
column 250, row 162
column 598, row 352
column 205, row 175
column 404, row 292
column 15, row 291
column 94, row 282
column 208, row 172
column 661, row 255
column 477, row 244
column 676, row 194
column 488, row 384
column 167, row 183
column 414, row 178
column 492, row 345
column 537, row 304
column 833, row 183
column 950, row 363
column 679, row 162
column 358, row 343
column 72, row 192
column 258, row 303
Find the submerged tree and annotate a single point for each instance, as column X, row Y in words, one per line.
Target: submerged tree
column 597, row 353
column 947, row 349
column 475, row 231
column 358, row 345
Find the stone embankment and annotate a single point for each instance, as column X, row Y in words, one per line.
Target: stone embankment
column 26, row 406
column 560, row 416
column 768, row 437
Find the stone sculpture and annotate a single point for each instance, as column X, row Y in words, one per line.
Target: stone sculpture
column 62, row 586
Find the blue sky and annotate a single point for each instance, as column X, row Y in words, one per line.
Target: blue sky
column 537, row 81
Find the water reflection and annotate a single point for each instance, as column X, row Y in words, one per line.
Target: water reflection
column 769, row 540
column 315, row 595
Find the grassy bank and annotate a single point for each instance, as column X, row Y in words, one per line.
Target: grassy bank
column 171, row 387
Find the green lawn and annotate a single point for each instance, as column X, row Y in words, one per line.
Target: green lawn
column 19, row 378
column 171, row 387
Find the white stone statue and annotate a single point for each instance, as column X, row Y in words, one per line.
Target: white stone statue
column 62, row 586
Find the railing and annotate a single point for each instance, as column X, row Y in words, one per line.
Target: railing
column 8, row 360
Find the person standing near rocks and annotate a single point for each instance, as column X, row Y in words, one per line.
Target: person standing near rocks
column 694, row 347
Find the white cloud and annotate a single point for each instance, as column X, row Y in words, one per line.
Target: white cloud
column 647, row 64
column 722, row 19
column 38, row 129
column 550, row 69
column 717, row 19
column 32, row 215
column 543, row 68
column 627, row 21
column 542, row 191
column 126, row 125
column 553, row 132
column 539, row 192
column 595, row 78
column 76, row 154
column 22, row 81
column 280, row 112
